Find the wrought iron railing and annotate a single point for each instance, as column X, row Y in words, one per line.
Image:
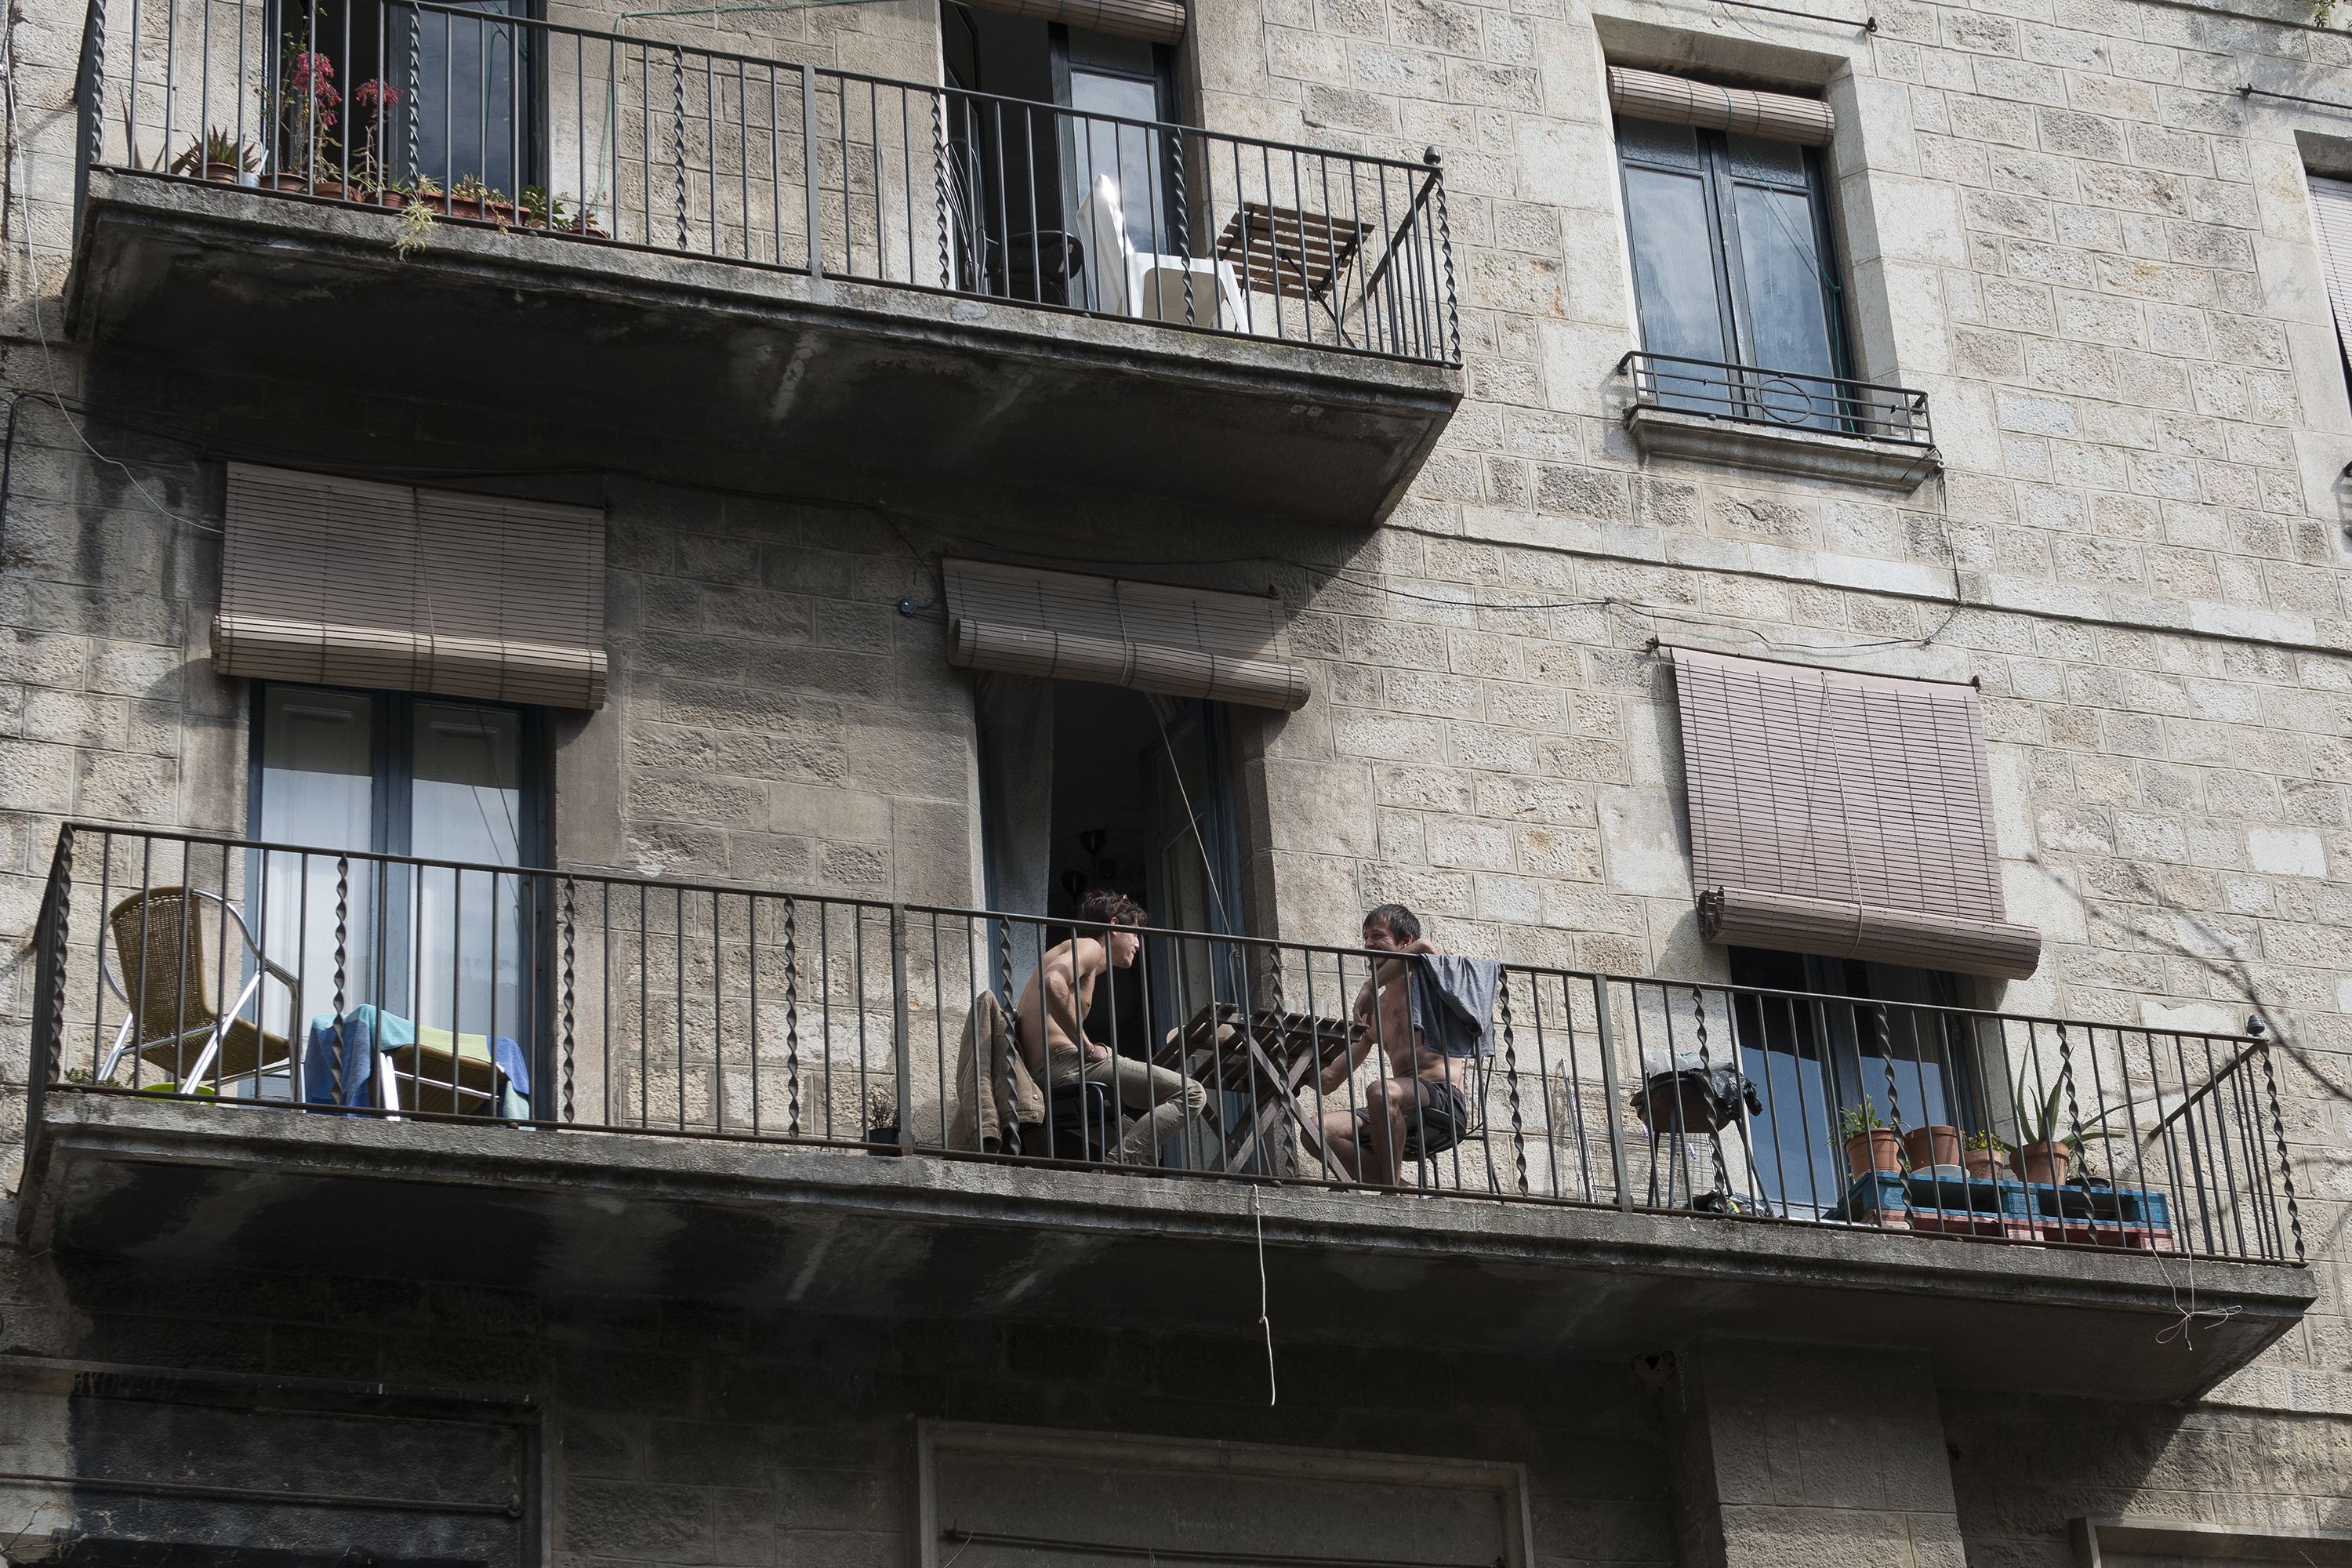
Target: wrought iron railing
column 454, row 113
column 351, row 984
column 1792, row 400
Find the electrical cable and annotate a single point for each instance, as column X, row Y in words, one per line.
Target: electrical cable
column 1191, row 817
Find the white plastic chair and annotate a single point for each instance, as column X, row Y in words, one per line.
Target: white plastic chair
column 1129, row 282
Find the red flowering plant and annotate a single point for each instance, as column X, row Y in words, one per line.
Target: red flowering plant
column 371, row 99
column 308, row 104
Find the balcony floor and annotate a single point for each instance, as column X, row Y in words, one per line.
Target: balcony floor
column 205, row 1185
column 813, row 386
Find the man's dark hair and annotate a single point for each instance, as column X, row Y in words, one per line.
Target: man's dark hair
column 1105, row 907
column 1401, row 923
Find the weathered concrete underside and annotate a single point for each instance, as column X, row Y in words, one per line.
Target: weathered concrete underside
column 746, row 374
column 168, row 1183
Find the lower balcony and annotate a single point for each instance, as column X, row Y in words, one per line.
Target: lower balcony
column 258, row 1055
column 786, row 276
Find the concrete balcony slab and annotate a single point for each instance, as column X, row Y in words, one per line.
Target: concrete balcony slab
column 202, row 1185
column 755, row 375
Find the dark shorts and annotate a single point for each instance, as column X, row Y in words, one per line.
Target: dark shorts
column 1434, row 1126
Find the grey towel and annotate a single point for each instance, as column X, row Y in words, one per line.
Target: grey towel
column 1452, row 1001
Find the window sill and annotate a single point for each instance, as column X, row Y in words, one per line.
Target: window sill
column 1808, row 454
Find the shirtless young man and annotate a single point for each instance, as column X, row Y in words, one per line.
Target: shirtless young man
column 1050, row 1027
column 1414, row 1085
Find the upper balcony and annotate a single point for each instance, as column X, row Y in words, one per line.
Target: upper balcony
column 782, row 276
column 244, row 1054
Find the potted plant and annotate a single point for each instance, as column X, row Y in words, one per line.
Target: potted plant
column 1982, row 1155
column 470, row 198
column 882, row 1118
column 416, row 204
column 372, row 98
column 1932, row 1145
column 2042, row 1154
column 542, row 208
column 306, row 117
column 1869, row 1143
column 219, row 156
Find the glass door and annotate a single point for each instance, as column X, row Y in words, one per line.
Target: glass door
column 1116, row 176
column 1814, row 1056
column 437, row 779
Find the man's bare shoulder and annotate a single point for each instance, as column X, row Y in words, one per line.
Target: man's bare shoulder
column 1084, row 953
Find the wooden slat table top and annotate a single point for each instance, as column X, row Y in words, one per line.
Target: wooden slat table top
column 1289, row 250
column 1285, row 1037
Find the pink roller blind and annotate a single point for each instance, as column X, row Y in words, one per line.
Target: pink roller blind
column 1840, row 813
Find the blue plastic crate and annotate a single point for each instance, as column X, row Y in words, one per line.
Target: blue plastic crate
column 1876, row 1193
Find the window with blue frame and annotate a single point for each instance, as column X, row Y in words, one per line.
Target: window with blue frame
column 440, row 779
column 1820, row 1050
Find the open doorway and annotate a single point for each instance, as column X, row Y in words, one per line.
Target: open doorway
column 1085, row 787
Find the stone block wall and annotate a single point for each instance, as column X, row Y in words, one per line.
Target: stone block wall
column 2058, row 218
column 688, row 1432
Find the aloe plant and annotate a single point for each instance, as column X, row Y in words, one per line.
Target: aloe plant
column 2039, row 1120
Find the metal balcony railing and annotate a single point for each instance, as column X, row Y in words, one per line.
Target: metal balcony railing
column 453, row 113
column 1792, row 400
column 355, row 984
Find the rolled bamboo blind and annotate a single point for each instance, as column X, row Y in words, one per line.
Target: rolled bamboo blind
column 1161, row 21
column 1151, row 636
column 347, row 583
column 2331, row 207
column 1679, row 100
column 1843, row 814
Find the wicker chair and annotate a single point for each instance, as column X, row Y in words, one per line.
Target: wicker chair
column 158, row 937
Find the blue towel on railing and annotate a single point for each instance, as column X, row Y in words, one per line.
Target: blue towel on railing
column 354, row 1039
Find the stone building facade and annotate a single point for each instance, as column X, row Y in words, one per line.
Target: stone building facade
column 2085, row 231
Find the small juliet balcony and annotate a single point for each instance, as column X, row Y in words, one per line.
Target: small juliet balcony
column 244, row 1053
column 1797, row 421
column 760, row 269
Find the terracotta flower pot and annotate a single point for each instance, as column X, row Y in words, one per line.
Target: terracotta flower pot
column 1982, row 1165
column 1936, row 1144
column 2043, row 1163
column 1876, row 1149
column 476, row 210
column 334, row 190
column 225, row 174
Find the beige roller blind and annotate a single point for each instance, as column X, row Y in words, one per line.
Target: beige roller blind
column 1183, row 642
column 1844, row 815
column 2331, row 207
column 1679, row 100
column 1161, row 21
column 346, row 583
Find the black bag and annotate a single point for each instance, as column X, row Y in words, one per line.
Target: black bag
column 1694, row 1100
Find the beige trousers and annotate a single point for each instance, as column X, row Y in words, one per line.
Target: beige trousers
column 1161, row 1100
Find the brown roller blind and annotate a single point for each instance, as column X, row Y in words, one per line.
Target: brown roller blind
column 1679, row 100
column 1844, row 813
column 1184, row 642
column 1161, row 21
column 346, row 583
